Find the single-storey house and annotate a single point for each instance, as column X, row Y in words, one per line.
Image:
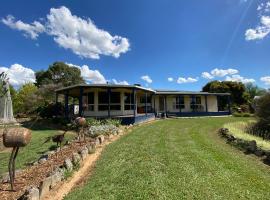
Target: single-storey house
column 134, row 104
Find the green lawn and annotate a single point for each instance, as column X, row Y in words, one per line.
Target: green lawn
column 176, row 159
column 32, row 151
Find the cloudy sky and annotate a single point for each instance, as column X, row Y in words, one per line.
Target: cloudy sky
column 157, row 43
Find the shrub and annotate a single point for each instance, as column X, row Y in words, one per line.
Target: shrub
column 114, row 122
column 263, row 112
column 95, row 131
column 51, row 110
column 93, row 122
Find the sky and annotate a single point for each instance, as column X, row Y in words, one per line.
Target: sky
column 160, row 44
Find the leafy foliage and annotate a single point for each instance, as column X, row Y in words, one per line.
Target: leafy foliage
column 263, row 112
column 59, row 73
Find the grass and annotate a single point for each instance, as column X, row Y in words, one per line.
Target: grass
column 176, row 159
column 237, row 129
column 33, row 150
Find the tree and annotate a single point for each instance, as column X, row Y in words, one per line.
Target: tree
column 26, row 100
column 236, row 89
column 252, row 91
column 59, row 74
column 263, row 112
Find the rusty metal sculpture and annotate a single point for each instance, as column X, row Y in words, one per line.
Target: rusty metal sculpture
column 15, row 138
column 81, row 125
column 58, row 139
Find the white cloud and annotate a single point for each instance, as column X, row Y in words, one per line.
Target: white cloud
column 266, row 80
column 147, row 78
column 119, row 82
column 170, row 79
column 30, row 30
column 181, row 80
column 82, row 36
column 19, row 75
column 92, row 76
column 238, row 78
column 263, row 29
column 207, row 75
column 79, row 35
column 223, row 72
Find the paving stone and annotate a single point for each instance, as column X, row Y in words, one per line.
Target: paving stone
column 101, row 139
column 76, row 158
column 83, row 152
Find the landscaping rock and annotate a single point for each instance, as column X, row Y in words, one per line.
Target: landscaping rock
column 42, row 160
column 45, row 186
column 97, row 141
column 31, row 193
column 68, row 164
column 252, row 146
column 56, row 176
column 76, row 158
column 83, row 152
column 91, row 148
column 101, row 139
column 259, row 152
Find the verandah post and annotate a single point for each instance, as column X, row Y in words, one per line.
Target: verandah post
column 179, row 98
column 165, row 99
column 206, row 104
column 66, row 104
column 145, row 103
column 134, row 102
column 109, row 102
column 81, row 102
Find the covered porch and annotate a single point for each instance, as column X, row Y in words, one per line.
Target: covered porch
column 130, row 104
column 183, row 104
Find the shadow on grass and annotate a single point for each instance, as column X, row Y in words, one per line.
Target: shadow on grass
column 41, row 125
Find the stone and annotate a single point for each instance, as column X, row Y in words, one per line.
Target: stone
column 252, row 146
column 42, row 160
column 50, row 153
column 259, row 152
column 31, row 193
column 45, row 186
column 56, row 177
column 76, row 158
column 101, row 139
column 83, row 152
column 68, row 164
column 91, row 148
column 97, row 141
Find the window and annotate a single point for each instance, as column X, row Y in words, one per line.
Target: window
column 115, row 101
column 179, row 103
column 195, row 103
column 142, row 99
column 90, row 101
column 103, row 100
column 129, row 101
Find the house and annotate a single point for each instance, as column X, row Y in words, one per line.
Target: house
column 134, row 104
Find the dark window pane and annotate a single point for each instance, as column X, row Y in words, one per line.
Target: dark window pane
column 142, row 99
column 115, row 107
column 115, row 97
column 102, row 107
column 128, row 98
column 102, row 97
column 91, row 98
column 198, row 100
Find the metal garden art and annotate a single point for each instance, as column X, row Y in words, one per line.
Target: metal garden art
column 81, row 125
column 12, row 137
column 15, row 138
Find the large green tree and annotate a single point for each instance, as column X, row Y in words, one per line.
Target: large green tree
column 236, row 89
column 59, row 73
column 252, row 91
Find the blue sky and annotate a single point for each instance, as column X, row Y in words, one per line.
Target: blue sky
column 160, row 44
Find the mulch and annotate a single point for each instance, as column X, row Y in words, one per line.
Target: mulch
column 33, row 175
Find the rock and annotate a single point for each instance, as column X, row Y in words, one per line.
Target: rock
column 91, row 148
column 42, row 160
column 97, row 141
column 44, row 187
column 31, row 193
column 50, row 152
column 56, row 176
column 101, row 139
column 83, row 152
column 259, row 152
column 76, row 158
column 68, row 164
column 252, row 146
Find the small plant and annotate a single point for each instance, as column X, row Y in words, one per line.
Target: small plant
column 93, row 122
column 67, row 174
column 76, row 166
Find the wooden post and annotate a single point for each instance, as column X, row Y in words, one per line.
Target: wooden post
column 134, row 102
column 206, row 103
column 81, row 102
column 179, row 98
column 145, row 104
column 165, row 100
column 109, row 102
column 154, row 103
column 66, row 104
